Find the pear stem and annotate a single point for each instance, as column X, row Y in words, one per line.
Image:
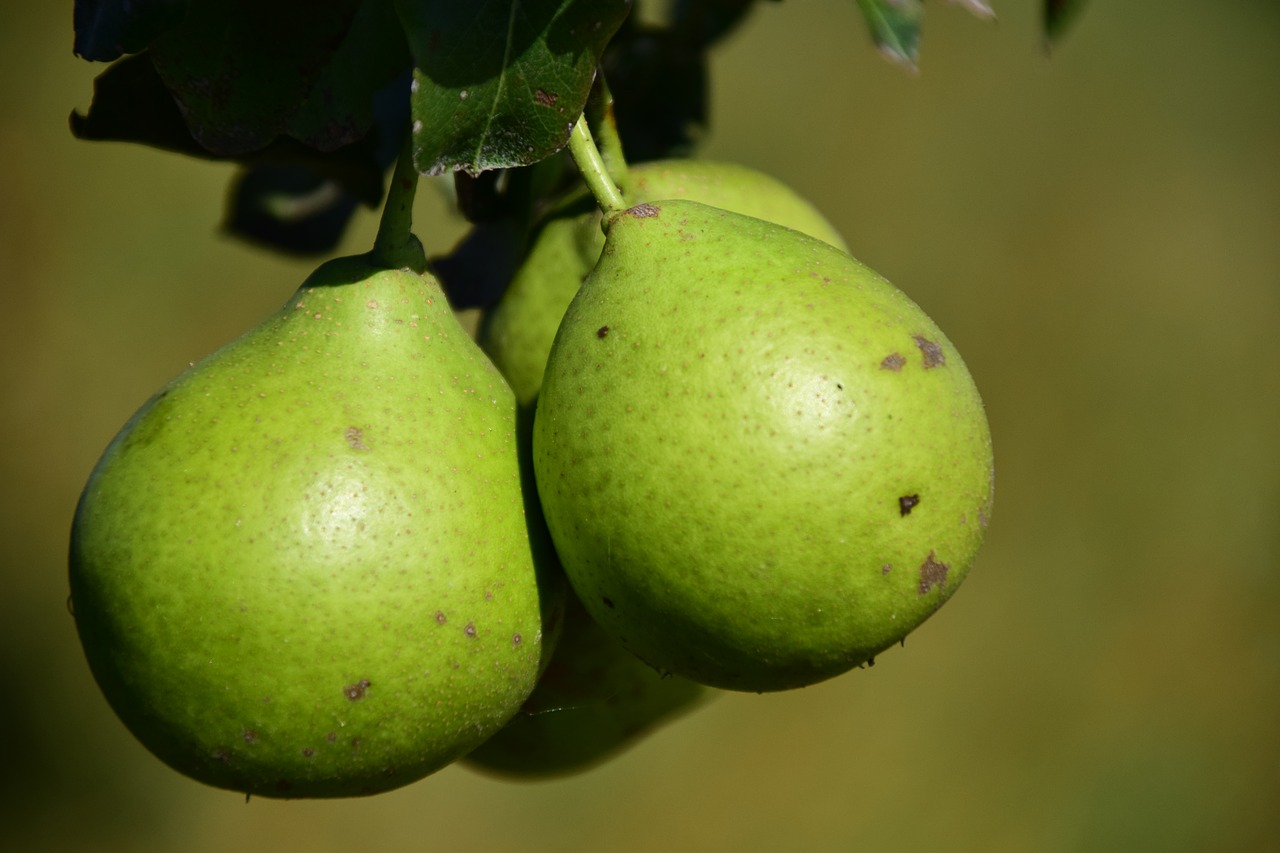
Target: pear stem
column 591, row 164
column 395, row 246
column 600, row 117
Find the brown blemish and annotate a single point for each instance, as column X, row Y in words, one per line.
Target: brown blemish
column 250, row 736
column 222, row 755
column 644, row 211
column 893, row 361
column 602, row 332
column 886, row 568
column 332, row 737
column 355, row 438
column 441, row 618
column 933, row 572
column 516, row 639
column 983, row 521
column 470, row 630
column 307, row 752
column 545, row 98
column 608, row 602
column 906, row 503
column 355, row 692
column 933, row 355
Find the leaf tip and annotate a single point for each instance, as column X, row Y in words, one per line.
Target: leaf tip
column 977, row 8
column 907, row 62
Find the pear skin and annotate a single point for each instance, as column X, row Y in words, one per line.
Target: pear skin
column 594, row 701
column 304, row 568
column 517, row 333
column 761, row 464
column 597, row 698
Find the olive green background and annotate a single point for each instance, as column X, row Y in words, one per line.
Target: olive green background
column 1097, row 230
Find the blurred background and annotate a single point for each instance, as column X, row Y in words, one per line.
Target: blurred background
column 1097, row 230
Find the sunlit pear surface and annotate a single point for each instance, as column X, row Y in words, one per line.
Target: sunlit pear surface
column 303, row 568
column 597, row 698
column 518, row 332
column 761, row 464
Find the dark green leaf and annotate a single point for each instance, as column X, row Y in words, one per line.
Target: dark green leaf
column 499, row 83
column 288, row 208
column 131, row 104
column 246, row 71
column 303, row 206
column 278, row 199
column 659, row 82
column 704, row 22
column 1057, row 15
column 107, row 29
column 895, row 28
column 660, row 78
column 339, row 103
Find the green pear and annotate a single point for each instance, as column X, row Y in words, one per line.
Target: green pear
column 517, row 333
column 597, row 698
column 594, row 701
column 761, row 464
column 304, row 568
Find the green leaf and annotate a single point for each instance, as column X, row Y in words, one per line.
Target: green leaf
column 895, row 28
column 499, row 83
column 247, row 71
column 1057, row 15
column 341, row 103
column 132, row 104
column 288, row 196
column 303, row 204
column 107, row 29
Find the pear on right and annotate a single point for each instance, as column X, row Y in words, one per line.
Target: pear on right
column 761, row 464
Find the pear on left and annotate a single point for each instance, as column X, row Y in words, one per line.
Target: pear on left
column 303, row 568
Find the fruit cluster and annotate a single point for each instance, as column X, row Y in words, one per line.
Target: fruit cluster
column 696, row 445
